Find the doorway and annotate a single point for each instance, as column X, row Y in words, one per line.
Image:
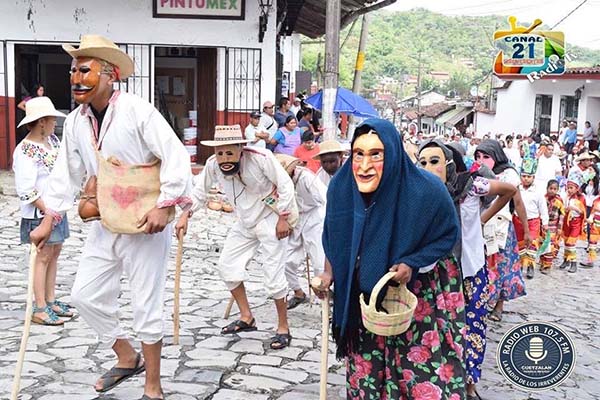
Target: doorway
column 49, row 66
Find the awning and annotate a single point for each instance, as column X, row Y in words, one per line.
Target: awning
column 452, row 117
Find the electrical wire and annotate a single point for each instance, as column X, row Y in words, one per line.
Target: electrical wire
column 569, row 14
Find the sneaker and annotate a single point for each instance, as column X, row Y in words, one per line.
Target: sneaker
column 564, row 265
column 573, row 268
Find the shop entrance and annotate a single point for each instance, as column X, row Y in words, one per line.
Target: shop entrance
column 186, row 94
column 47, row 65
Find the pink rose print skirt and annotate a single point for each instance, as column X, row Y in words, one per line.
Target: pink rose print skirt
column 427, row 361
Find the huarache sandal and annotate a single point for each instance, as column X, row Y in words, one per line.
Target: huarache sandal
column 51, row 320
column 239, row 326
column 296, row 301
column 117, row 375
column 61, row 309
column 281, row 341
column 495, row 316
column 146, row 397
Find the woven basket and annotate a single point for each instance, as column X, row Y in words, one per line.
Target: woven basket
column 400, row 304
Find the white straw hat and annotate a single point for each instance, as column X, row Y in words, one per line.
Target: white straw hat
column 96, row 46
column 226, row 134
column 329, row 146
column 37, row 108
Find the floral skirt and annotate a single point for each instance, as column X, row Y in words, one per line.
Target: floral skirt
column 477, row 296
column 424, row 363
column 504, row 272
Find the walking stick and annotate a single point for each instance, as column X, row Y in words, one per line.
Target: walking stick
column 176, row 291
column 27, row 326
column 308, row 279
column 228, row 308
column 317, row 284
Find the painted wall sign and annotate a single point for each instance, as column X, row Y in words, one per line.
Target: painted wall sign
column 206, row 9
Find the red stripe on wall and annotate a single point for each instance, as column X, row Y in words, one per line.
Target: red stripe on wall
column 7, row 136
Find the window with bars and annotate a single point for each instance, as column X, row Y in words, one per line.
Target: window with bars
column 243, row 73
column 139, row 82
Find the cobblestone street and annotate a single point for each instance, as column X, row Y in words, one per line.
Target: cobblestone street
column 62, row 363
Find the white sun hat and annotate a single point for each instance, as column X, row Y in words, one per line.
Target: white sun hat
column 39, row 107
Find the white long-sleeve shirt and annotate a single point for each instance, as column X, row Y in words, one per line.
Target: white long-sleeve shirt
column 134, row 132
column 535, row 203
column 32, row 164
column 311, row 193
column 259, row 174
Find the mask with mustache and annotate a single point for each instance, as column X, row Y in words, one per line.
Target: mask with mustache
column 85, row 79
column 228, row 158
column 230, row 168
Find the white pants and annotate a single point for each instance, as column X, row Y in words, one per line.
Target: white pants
column 305, row 239
column 240, row 247
column 95, row 292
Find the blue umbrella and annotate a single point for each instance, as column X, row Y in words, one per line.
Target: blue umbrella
column 346, row 102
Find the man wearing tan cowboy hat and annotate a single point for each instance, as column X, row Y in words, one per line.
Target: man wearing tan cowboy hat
column 262, row 194
column 331, row 156
column 118, row 128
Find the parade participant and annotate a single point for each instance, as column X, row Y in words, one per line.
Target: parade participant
column 287, row 138
column 506, row 280
column 119, row 131
column 255, row 132
column 307, row 151
column 549, row 166
column 537, row 216
column 262, row 194
column 331, row 157
column 396, row 217
column 33, row 160
column 574, row 220
column 556, row 213
column 466, row 190
column 306, row 236
column 593, row 233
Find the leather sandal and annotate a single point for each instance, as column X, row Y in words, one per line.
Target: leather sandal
column 146, row 397
column 118, row 375
column 296, row 301
column 51, row 320
column 239, row 326
column 280, row 341
column 61, row 309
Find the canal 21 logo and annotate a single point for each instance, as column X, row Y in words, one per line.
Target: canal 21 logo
column 523, row 51
column 536, row 356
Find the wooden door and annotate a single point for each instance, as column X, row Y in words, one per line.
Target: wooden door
column 207, row 99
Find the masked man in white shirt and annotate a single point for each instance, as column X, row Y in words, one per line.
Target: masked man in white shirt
column 262, row 194
column 121, row 132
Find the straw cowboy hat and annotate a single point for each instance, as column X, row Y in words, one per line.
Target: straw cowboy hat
column 584, row 156
column 97, row 46
column 329, row 146
column 225, row 135
column 288, row 163
column 596, row 154
column 37, row 108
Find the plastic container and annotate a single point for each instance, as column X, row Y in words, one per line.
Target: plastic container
column 190, row 136
column 192, row 151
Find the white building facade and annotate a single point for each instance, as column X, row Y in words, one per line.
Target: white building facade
column 215, row 68
column 521, row 105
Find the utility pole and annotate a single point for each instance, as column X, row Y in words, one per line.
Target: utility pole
column 419, row 92
column 358, row 68
column 332, row 59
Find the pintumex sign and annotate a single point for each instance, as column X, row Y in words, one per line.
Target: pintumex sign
column 208, row 9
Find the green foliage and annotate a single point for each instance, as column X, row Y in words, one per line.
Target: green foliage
column 399, row 40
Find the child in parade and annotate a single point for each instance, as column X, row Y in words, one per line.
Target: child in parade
column 537, row 216
column 574, row 220
column 556, row 213
column 33, row 160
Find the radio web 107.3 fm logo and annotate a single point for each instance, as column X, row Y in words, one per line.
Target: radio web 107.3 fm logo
column 524, row 51
column 536, row 356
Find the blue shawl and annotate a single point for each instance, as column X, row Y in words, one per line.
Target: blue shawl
column 410, row 219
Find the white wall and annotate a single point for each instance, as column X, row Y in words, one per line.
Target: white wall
column 593, row 112
column 484, row 123
column 131, row 22
column 515, row 109
column 292, row 58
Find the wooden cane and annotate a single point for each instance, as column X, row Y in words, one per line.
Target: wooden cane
column 177, row 288
column 308, row 279
column 228, row 308
column 17, row 379
column 317, row 283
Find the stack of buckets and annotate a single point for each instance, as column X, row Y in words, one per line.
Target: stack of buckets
column 189, row 137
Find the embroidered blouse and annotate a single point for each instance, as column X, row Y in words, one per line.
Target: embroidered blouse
column 32, row 164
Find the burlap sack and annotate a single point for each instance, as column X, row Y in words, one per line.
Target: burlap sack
column 126, row 193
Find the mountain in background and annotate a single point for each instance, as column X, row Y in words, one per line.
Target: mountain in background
column 459, row 45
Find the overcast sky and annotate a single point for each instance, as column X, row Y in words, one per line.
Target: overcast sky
column 581, row 28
